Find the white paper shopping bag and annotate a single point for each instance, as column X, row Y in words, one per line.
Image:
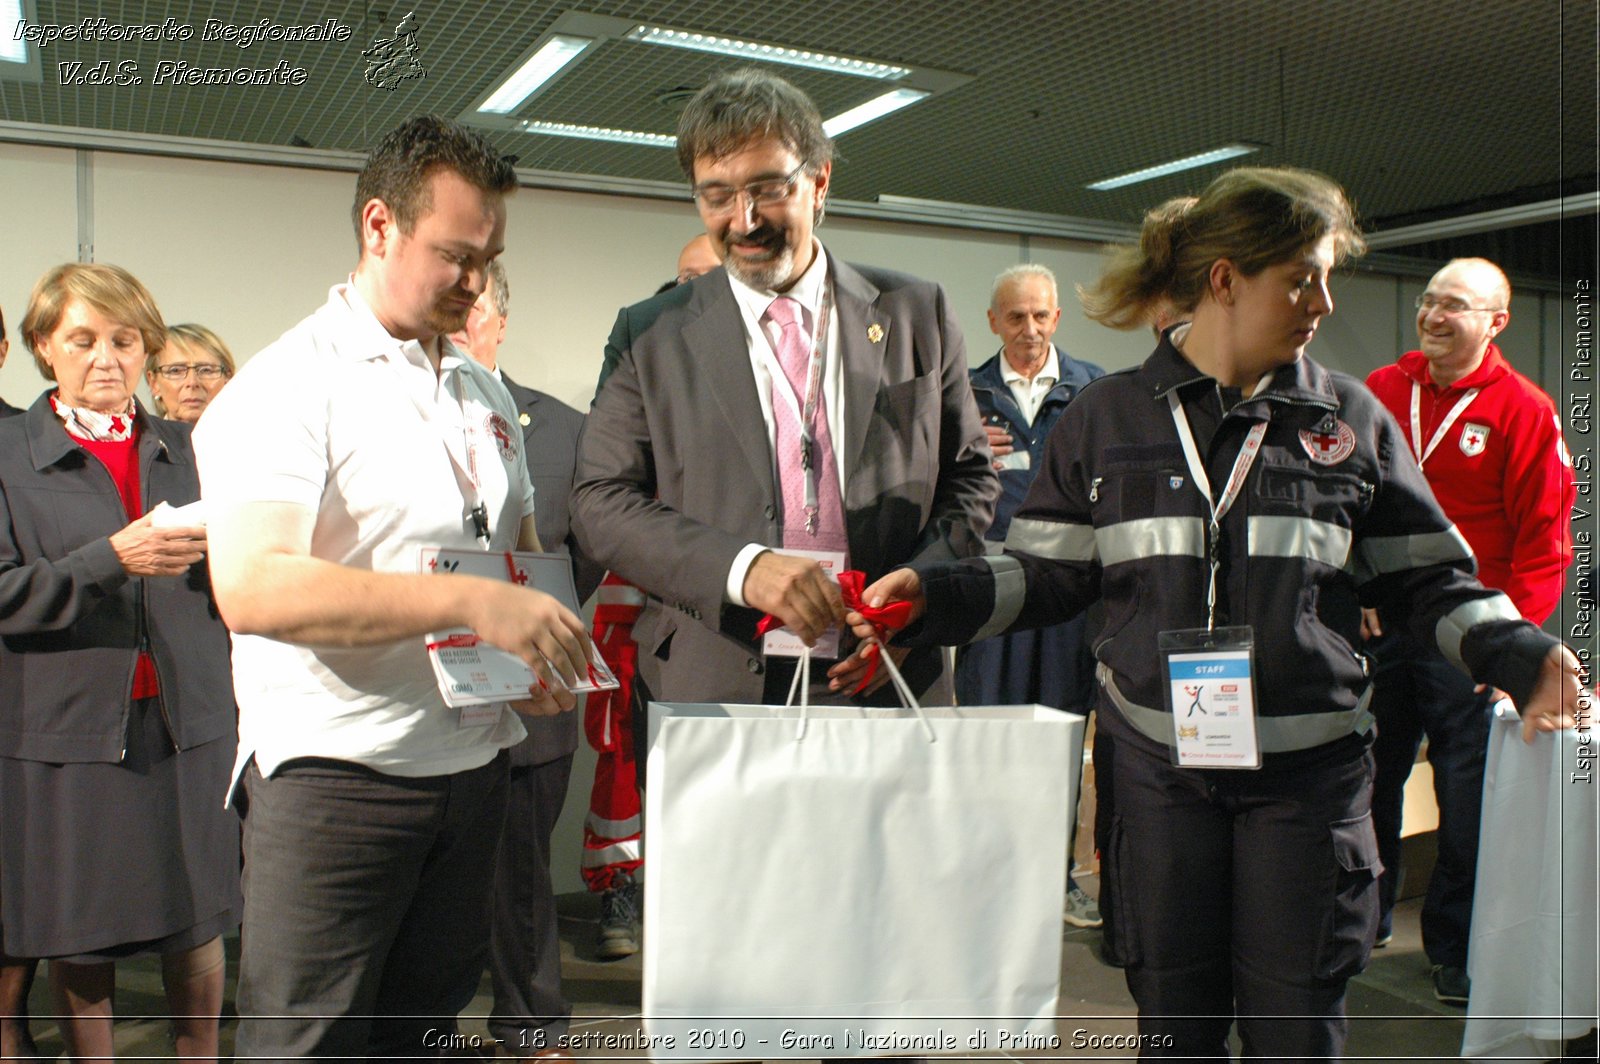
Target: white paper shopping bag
column 870, row 884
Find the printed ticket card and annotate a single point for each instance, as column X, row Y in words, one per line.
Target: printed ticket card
column 474, row 673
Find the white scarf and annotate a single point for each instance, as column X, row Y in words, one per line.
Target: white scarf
column 88, row 424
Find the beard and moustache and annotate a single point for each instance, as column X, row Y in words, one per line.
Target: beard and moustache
column 772, row 268
column 446, row 319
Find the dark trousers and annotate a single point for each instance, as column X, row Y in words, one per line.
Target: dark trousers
column 524, row 945
column 1418, row 692
column 1104, row 814
column 1248, row 894
column 366, row 912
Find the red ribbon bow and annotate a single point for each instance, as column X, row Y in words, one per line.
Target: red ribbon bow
column 884, row 619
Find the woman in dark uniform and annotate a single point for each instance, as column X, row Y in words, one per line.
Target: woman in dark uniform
column 1233, row 505
column 117, row 721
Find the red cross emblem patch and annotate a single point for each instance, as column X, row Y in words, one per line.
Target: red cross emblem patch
column 500, row 429
column 1473, row 439
column 1331, row 447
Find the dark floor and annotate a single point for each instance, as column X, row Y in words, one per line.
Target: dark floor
column 1393, row 1016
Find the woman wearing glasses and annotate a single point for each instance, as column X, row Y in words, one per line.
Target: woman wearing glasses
column 1233, row 504
column 189, row 372
column 117, row 720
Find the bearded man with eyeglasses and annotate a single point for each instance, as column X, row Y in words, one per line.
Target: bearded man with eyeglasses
column 1489, row 442
column 788, row 401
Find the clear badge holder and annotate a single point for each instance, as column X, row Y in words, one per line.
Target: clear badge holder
column 1210, row 693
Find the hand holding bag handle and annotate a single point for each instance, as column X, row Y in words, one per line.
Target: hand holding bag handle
column 801, row 686
column 895, row 615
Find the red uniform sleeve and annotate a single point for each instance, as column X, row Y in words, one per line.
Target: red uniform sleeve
column 1540, row 489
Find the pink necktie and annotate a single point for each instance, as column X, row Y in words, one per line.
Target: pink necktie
column 794, row 355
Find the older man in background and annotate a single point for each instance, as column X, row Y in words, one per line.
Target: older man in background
column 1022, row 392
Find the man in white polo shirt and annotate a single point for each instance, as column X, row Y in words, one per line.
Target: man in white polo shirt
column 360, row 437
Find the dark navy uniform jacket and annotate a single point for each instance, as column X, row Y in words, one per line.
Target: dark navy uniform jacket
column 1334, row 515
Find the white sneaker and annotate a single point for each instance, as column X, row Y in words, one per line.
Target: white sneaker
column 1081, row 910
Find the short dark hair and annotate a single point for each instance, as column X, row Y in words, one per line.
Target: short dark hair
column 398, row 169
column 745, row 105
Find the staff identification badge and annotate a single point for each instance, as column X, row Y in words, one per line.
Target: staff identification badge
column 1211, row 696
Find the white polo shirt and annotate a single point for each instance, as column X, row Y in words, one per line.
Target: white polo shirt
column 339, row 417
column 1030, row 394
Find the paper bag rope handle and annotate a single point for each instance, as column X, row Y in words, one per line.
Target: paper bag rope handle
column 883, row 619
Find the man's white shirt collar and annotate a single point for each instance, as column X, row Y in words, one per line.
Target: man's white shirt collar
column 807, row 291
column 1050, row 371
column 373, row 340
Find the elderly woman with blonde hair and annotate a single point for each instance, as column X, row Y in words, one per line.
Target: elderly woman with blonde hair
column 188, row 373
column 117, row 718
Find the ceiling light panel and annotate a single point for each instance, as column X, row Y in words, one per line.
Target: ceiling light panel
column 872, row 110
column 545, row 63
column 766, row 53
column 1188, row 162
column 12, row 48
column 616, row 136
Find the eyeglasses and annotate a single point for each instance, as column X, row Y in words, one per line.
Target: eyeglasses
column 177, row 371
column 1450, row 306
column 762, row 193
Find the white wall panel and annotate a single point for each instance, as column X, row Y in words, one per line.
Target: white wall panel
column 38, row 187
column 246, row 250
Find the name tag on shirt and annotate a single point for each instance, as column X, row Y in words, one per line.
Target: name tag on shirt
column 782, row 643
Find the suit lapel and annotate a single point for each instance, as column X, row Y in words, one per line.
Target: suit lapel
column 862, row 340
column 716, row 339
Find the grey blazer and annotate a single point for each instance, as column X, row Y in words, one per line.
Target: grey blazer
column 675, row 468
column 550, row 430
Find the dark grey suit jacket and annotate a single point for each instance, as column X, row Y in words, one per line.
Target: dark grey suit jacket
column 550, row 430
column 675, row 469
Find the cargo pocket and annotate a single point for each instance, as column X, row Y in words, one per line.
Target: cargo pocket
column 1352, row 921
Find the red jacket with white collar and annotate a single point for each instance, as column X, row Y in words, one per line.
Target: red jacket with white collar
column 1501, row 471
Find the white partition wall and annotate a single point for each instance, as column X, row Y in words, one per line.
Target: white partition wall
column 246, row 250
column 1360, row 334
column 39, row 188
column 1074, row 264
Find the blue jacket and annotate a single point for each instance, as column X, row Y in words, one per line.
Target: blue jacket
column 995, row 400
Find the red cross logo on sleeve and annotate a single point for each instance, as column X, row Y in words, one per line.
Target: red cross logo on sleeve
column 500, row 429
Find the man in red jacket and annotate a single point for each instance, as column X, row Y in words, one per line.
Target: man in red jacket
column 1489, row 442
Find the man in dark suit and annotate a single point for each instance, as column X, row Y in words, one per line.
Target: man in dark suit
column 710, row 447
column 530, row 1015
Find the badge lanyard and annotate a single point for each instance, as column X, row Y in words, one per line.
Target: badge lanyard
column 1444, row 426
column 466, row 472
column 1219, row 506
column 806, row 417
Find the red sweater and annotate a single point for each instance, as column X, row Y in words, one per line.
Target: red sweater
column 121, row 460
column 1501, row 472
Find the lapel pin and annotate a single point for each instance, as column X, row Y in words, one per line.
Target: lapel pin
column 874, row 332
column 524, row 420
